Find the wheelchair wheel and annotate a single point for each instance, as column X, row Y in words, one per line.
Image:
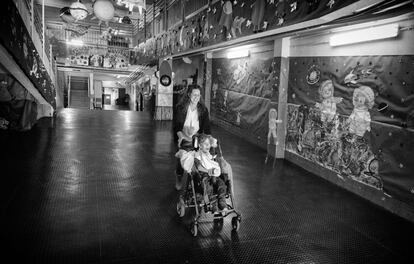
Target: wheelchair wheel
column 194, row 229
column 180, row 207
column 235, row 223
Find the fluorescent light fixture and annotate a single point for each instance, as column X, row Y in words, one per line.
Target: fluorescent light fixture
column 75, row 42
column 238, row 53
column 363, row 35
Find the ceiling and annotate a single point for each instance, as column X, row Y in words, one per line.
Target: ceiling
column 63, row 3
column 53, row 11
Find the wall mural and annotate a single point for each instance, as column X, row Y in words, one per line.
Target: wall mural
column 242, row 91
column 225, row 20
column 355, row 116
column 16, row 39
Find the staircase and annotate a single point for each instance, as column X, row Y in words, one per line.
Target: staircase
column 79, row 92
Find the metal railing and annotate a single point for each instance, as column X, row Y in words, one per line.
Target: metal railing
column 32, row 19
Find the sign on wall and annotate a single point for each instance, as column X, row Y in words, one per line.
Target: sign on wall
column 165, row 87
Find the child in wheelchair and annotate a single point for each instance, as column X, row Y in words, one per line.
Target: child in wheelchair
column 209, row 173
column 209, row 179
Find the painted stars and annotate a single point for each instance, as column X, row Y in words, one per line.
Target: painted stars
column 280, row 21
column 293, row 6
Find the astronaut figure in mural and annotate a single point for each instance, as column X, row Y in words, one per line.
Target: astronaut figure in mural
column 360, row 119
column 273, row 121
column 328, row 105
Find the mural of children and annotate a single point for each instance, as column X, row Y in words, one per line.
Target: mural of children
column 328, row 105
column 273, row 121
column 360, row 119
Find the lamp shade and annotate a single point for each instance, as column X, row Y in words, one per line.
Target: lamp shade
column 78, row 10
column 104, row 10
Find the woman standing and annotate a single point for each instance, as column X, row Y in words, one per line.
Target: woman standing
column 191, row 118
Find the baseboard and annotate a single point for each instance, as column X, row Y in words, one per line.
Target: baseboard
column 371, row 194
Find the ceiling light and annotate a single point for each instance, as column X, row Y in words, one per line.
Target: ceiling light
column 75, row 42
column 78, row 10
column 238, row 54
column 363, row 35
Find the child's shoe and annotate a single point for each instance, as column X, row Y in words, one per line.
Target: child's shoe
column 222, row 205
column 214, row 207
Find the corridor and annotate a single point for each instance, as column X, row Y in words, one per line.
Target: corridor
column 98, row 187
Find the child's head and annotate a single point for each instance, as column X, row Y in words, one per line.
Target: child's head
column 363, row 98
column 204, row 143
column 326, row 90
column 272, row 114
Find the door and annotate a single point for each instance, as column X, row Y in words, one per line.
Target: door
column 107, row 99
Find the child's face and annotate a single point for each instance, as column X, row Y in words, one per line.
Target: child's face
column 358, row 100
column 327, row 91
column 205, row 146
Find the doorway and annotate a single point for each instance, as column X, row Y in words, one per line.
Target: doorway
column 107, row 99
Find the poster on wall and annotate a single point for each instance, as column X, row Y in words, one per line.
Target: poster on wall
column 354, row 115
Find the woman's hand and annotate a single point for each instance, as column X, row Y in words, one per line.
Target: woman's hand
column 211, row 172
column 182, row 136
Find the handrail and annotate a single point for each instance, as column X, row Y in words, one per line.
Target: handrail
column 35, row 29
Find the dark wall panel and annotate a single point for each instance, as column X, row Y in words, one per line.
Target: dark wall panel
column 243, row 90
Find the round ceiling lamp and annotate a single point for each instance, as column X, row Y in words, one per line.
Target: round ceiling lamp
column 78, row 10
column 104, row 10
column 66, row 16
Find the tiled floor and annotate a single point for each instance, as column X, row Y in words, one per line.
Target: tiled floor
column 98, row 187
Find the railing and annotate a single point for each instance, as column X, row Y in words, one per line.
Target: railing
column 32, row 19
